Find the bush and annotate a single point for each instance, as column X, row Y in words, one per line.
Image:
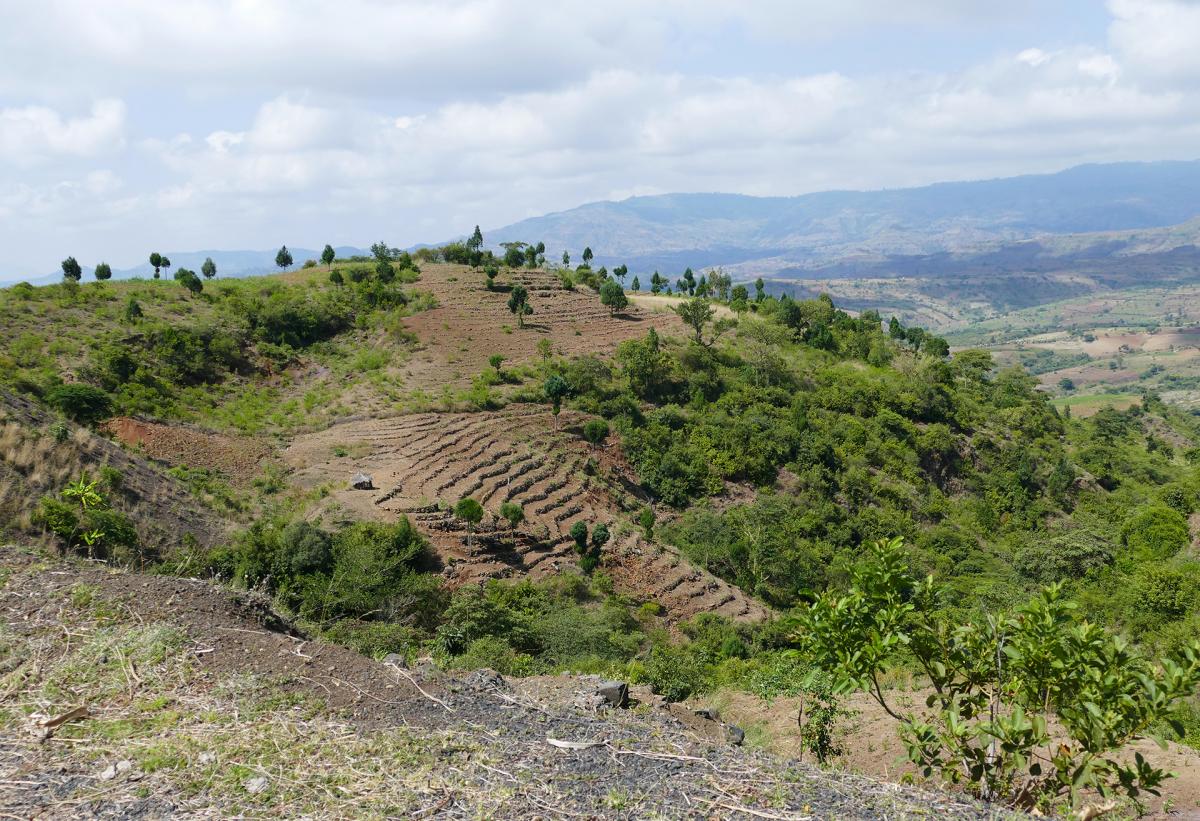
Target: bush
column 1154, row 532
column 675, row 673
column 84, row 404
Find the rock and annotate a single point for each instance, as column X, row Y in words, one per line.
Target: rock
column 734, row 734
column 361, row 481
column 207, row 758
column 589, row 702
column 615, row 693
column 708, row 714
column 113, row 770
column 485, row 679
column 396, row 660
column 256, row 785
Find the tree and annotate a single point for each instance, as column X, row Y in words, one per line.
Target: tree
column 620, row 272
column 208, row 268
column 513, row 512
column 579, row 534
column 999, row 683
column 102, row 272
column 656, row 283
column 284, row 258
column 471, row 513
column 587, row 255
column 496, row 360
column 71, row 269
column 636, row 285
column 133, row 311
column 600, row 537
column 490, row 271
column 545, row 348
column 760, row 292
column 613, row 296
column 336, row 277
column 697, row 313
column 328, row 256
column 156, row 260
column 595, row 431
column 84, row 404
column 739, row 298
column 556, row 389
column 566, row 259
column 475, row 242
column 895, row 329
column 518, row 303
column 188, row 279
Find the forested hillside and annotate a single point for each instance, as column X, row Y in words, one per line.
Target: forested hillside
column 558, row 476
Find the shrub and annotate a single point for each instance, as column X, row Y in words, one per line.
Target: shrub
column 674, row 673
column 83, row 403
column 1154, row 532
column 998, row 682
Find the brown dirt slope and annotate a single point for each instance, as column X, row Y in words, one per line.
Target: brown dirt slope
column 422, row 464
column 33, row 463
column 184, row 700
column 238, row 458
column 468, row 326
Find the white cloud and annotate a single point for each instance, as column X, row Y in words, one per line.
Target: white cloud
column 253, row 121
column 33, row 133
column 1161, row 38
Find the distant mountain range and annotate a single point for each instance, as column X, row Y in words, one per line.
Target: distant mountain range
column 766, row 235
column 856, row 233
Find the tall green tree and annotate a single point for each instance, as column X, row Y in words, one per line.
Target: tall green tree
column 475, row 241
column 612, row 295
column 556, row 389
column 328, row 256
column 102, row 272
column 208, row 268
column 566, row 258
column 284, row 258
column 697, row 313
column 587, row 255
column 469, row 512
column 71, row 269
column 156, row 260
column 518, row 303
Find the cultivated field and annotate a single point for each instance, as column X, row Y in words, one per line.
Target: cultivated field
column 422, row 464
column 470, row 323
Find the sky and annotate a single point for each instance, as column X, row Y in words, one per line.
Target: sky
column 133, row 125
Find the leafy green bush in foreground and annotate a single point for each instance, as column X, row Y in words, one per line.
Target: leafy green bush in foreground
column 1000, row 682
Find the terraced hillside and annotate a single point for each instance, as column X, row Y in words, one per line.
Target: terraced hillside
column 422, row 463
column 470, row 323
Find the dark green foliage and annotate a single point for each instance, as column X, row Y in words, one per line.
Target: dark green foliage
column 283, row 258
column 188, row 279
column 328, row 255
column 85, row 404
column 518, row 304
column 612, row 296
column 595, row 431
column 579, row 534
column 208, row 268
column 71, row 269
column 102, row 272
column 336, row 278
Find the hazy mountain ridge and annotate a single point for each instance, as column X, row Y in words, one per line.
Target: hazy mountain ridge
column 819, row 228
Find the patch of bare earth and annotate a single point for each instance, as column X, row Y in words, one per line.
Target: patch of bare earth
column 421, row 464
column 238, row 458
column 471, row 323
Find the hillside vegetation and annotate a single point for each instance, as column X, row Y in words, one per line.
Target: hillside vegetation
column 682, row 493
